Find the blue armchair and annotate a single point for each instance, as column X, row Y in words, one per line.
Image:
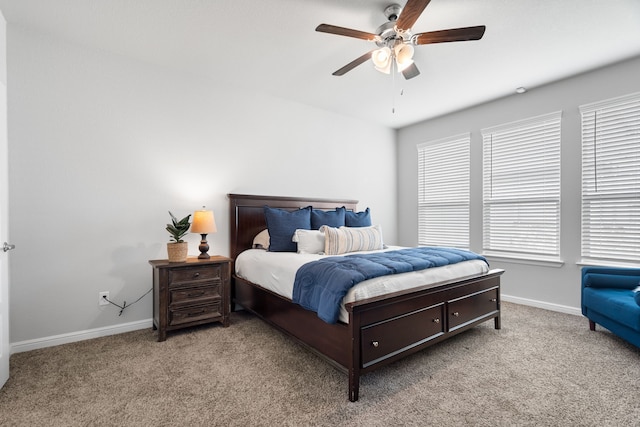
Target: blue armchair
column 608, row 299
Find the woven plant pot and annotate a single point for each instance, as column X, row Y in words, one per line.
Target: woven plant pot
column 177, row 252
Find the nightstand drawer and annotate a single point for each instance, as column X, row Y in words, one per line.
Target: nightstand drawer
column 205, row 272
column 194, row 313
column 195, row 295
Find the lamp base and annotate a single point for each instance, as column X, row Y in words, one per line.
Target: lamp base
column 204, row 248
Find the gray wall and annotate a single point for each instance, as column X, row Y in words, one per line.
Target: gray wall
column 532, row 283
column 101, row 146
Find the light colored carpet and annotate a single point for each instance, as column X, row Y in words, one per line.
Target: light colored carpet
column 541, row 368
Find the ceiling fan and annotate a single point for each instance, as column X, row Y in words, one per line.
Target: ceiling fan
column 395, row 40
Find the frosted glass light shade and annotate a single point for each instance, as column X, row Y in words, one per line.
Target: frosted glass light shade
column 381, row 57
column 404, row 53
column 386, row 69
column 203, row 222
column 402, row 67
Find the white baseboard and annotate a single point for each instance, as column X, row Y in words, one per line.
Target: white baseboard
column 54, row 340
column 541, row 304
column 35, row 344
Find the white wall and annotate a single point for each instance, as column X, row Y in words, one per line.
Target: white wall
column 551, row 287
column 101, row 146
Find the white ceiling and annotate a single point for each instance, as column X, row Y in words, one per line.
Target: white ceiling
column 271, row 46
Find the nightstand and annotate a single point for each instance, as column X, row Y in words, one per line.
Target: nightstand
column 190, row 293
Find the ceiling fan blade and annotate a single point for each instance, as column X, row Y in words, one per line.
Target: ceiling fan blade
column 353, row 64
column 452, row 35
column 411, row 71
column 341, row 31
column 410, row 14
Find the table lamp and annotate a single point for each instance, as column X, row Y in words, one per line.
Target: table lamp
column 203, row 224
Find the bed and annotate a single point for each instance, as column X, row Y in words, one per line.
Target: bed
column 378, row 330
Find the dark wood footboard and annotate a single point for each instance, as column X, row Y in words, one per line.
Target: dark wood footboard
column 390, row 327
column 381, row 330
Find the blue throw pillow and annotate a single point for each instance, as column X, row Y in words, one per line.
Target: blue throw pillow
column 358, row 219
column 282, row 224
column 636, row 295
column 333, row 218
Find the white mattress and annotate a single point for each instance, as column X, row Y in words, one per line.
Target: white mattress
column 276, row 271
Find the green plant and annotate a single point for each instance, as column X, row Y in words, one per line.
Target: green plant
column 177, row 229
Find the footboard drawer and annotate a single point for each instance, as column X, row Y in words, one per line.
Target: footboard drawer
column 470, row 308
column 387, row 338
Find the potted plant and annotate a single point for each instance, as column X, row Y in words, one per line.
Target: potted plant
column 177, row 248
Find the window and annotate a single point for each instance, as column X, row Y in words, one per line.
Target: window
column 521, row 188
column 611, row 179
column 443, row 192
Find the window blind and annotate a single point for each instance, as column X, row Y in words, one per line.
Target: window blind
column 611, row 179
column 443, row 192
column 521, row 187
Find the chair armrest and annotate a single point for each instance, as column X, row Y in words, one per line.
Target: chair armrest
column 610, row 277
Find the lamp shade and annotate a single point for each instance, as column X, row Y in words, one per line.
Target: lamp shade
column 203, row 222
column 381, row 57
column 404, row 54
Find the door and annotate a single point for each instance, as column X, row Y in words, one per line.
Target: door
column 4, row 209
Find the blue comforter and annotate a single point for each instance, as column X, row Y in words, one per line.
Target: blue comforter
column 321, row 285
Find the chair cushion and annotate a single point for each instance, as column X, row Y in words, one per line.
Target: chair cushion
column 605, row 280
column 617, row 304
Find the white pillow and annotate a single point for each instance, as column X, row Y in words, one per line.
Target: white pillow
column 309, row 241
column 351, row 239
column 262, row 239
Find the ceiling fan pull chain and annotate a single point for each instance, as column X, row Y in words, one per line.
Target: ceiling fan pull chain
column 393, row 87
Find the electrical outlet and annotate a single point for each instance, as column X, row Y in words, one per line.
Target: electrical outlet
column 102, row 296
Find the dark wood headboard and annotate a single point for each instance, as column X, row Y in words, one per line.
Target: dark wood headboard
column 246, row 215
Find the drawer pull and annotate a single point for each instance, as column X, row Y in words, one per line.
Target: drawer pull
column 436, row 320
column 195, row 294
column 456, row 314
column 196, row 313
column 195, row 275
column 493, row 299
column 375, row 343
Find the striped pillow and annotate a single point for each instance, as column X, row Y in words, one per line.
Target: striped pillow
column 351, row 239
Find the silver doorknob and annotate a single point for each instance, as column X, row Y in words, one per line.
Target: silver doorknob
column 7, row 247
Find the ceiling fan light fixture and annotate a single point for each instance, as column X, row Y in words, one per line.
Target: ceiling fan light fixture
column 404, row 53
column 381, row 57
column 404, row 65
column 386, row 69
column 404, row 56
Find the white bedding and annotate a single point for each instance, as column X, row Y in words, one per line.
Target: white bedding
column 276, row 271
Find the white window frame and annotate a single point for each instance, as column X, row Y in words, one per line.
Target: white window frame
column 610, row 227
column 521, row 188
column 444, row 191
